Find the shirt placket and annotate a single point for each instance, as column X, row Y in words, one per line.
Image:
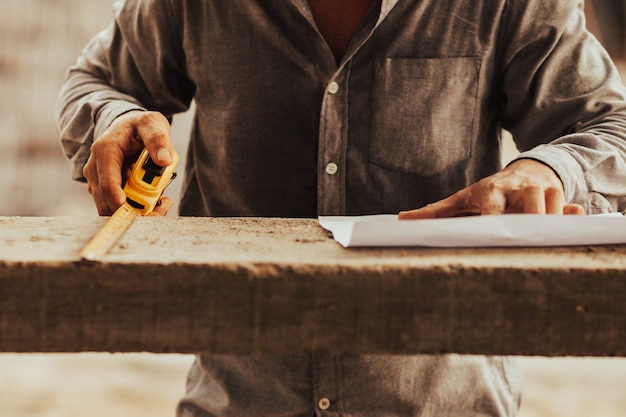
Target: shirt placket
column 326, row 392
column 332, row 145
column 333, row 136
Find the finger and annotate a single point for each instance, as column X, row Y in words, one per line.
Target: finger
column 96, row 194
column 107, row 183
column 493, row 202
column 110, row 187
column 162, row 207
column 101, row 205
column 90, row 172
column 554, row 200
column 449, row 207
column 426, row 212
column 91, row 175
column 154, row 131
column 574, row 209
column 534, row 200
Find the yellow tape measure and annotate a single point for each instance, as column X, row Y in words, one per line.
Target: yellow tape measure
column 143, row 190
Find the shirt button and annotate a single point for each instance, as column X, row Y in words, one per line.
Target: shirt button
column 324, row 404
column 331, row 168
column 333, row 88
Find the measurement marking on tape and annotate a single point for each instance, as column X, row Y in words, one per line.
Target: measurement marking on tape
column 112, row 231
column 144, row 187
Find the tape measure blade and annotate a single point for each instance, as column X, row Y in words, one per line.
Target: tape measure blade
column 110, row 233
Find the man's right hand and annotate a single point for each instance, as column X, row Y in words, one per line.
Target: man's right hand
column 113, row 154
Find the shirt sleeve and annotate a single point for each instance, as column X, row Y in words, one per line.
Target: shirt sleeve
column 137, row 63
column 563, row 101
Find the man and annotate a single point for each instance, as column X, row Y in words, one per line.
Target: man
column 318, row 107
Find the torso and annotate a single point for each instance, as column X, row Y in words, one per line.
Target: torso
column 337, row 20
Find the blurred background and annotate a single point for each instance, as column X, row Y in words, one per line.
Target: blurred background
column 39, row 39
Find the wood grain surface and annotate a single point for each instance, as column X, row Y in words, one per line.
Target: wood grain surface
column 190, row 285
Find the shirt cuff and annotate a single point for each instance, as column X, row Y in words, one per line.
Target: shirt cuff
column 103, row 120
column 110, row 112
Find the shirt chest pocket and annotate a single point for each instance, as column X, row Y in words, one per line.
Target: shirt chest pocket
column 423, row 113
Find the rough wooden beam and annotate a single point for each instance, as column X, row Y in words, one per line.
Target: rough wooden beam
column 278, row 285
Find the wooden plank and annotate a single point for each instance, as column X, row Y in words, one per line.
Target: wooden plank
column 283, row 286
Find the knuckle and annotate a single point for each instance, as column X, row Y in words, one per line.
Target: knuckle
column 146, row 118
column 533, row 189
column 87, row 171
column 100, row 148
column 143, row 119
column 499, row 203
column 154, row 137
column 90, row 173
column 492, row 187
column 554, row 191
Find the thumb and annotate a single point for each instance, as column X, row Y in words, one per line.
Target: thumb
column 154, row 131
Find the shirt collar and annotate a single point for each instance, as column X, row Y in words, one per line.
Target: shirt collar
column 385, row 8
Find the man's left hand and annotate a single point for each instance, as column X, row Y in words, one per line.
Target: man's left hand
column 525, row 186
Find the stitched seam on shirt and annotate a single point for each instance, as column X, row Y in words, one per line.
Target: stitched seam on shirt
column 475, row 118
column 345, row 111
column 499, row 54
column 322, row 155
column 339, row 376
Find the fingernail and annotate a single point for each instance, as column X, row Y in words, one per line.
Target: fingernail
column 163, row 155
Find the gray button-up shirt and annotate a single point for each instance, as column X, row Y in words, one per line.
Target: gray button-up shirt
column 411, row 114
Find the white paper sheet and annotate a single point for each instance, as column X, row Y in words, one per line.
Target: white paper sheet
column 477, row 231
